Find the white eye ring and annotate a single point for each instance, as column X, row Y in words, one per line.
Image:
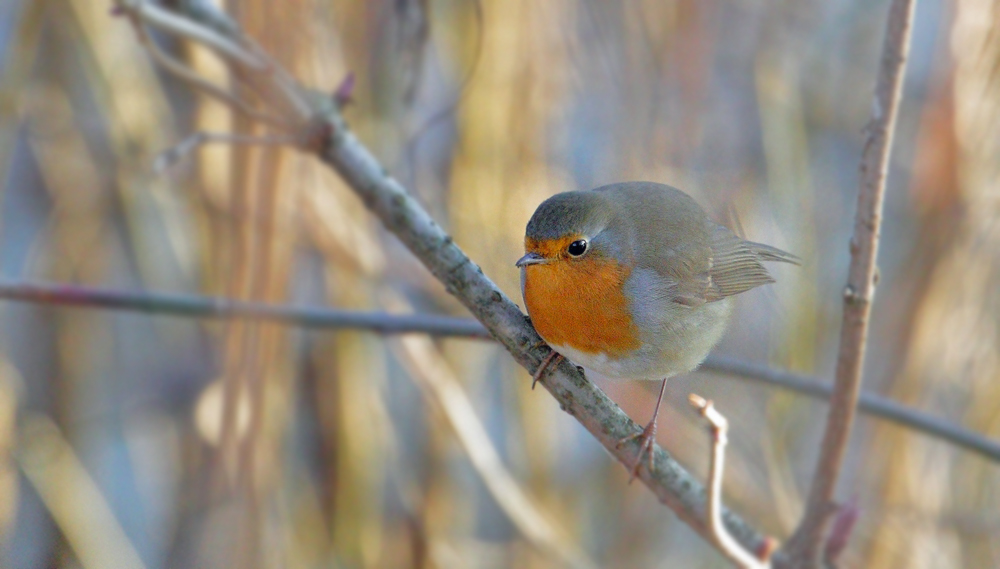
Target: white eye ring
column 577, row 248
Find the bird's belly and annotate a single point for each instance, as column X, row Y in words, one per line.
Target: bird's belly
column 674, row 341
column 632, row 366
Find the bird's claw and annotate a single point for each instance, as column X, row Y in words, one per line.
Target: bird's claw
column 646, row 439
column 553, row 356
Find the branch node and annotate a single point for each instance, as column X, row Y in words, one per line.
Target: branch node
column 854, row 297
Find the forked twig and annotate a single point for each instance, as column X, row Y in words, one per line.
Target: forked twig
column 718, row 426
column 186, row 28
column 191, row 77
column 283, row 104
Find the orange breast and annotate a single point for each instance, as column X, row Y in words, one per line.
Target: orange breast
column 581, row 304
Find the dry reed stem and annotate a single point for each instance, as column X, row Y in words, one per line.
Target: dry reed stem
column 73, row 498
column 437, row 379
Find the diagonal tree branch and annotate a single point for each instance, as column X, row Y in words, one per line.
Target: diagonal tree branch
column 401, row 214
column 326, row 134
column 806, row 543
column 196, row 306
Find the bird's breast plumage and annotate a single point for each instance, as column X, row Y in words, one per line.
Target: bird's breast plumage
column 582, row 304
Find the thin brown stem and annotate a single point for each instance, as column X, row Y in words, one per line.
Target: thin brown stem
column 806, row 543
column 718, row 427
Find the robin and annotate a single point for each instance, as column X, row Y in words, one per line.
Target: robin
column 634, row 281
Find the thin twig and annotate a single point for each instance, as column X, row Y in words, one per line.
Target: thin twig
column 204, row 307
column 191, row 77
column 172, row 155
column 184, row 73
column 247, row 62
column 196, row 306
column 718, row 426
column 867, row 402
column 806, row 543
column 187, row 28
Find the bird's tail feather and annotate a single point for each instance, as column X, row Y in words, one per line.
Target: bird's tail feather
column 768, row 253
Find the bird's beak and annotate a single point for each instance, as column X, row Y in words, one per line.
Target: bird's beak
column 530, row 259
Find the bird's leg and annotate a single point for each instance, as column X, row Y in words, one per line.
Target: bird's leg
column 646, row 438
column 553, row 356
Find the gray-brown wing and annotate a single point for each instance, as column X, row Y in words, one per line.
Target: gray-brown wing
column 676, row 242
column 700, row 260
column 737, row 264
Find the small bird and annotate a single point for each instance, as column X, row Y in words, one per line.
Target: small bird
column 633, row 280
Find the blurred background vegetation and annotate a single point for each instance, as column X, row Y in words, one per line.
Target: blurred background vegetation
column 136, row 441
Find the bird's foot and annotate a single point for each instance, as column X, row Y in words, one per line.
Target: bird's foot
column 646, row 439
column 550, row 360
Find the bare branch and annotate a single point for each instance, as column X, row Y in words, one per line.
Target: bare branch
column 867, row 402
column 195, row 306
column 403, row 216
column 202, row 307
column 186, row 28
column 189, row 76
column 246, row 61
column 718, row 426
column 805, row 544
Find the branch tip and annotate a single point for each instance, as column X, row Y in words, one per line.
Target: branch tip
column 698, row 402
column 344, row 94
column 840, row 534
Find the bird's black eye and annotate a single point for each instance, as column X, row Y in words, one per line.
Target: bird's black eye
column 577, row 248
